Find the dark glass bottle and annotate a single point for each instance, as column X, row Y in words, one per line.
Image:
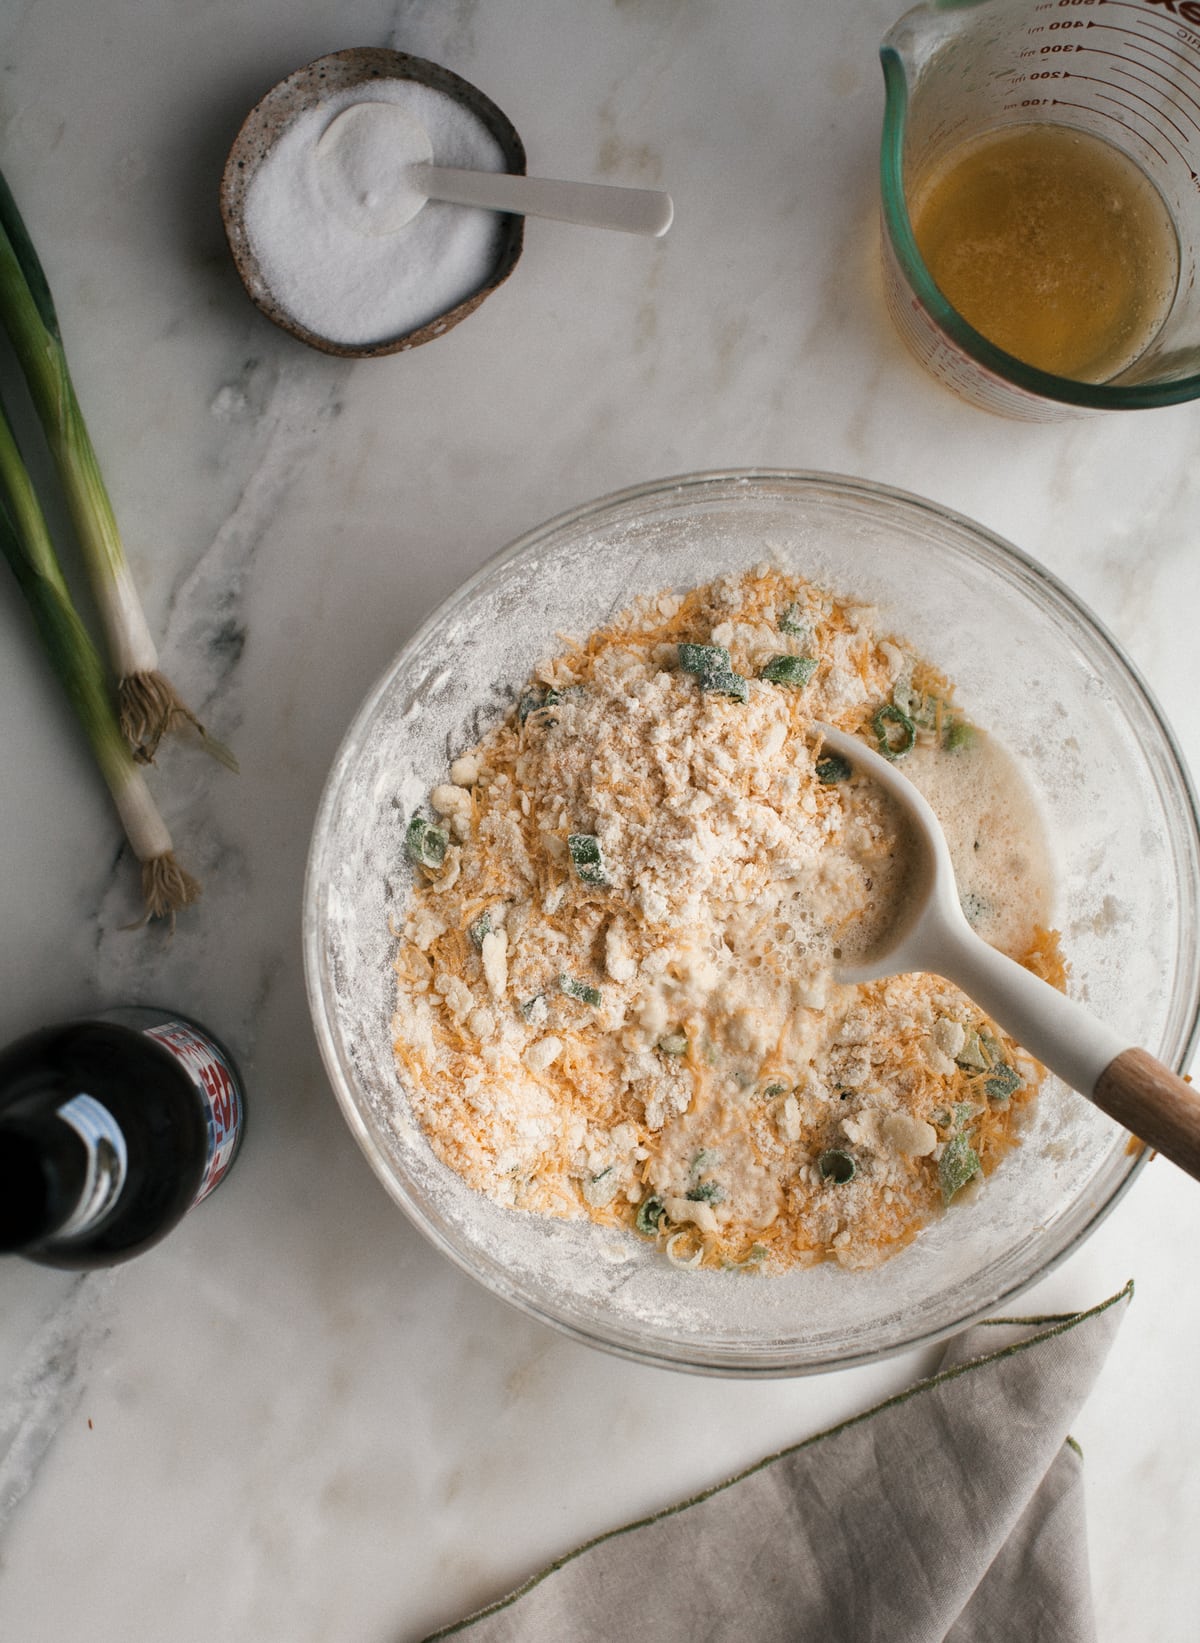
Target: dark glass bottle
column 111, row 1129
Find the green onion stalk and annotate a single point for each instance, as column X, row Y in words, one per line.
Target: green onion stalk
column 148, row 705
column 26, row 544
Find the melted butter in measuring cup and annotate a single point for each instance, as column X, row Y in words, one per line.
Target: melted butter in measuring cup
column 1056, row 202
column 1052, row 244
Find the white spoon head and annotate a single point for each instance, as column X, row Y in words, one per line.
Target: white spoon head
column 930, row 905
column 364, row 163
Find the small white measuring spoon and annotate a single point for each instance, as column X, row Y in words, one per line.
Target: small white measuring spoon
column 375, row 170
column 932, row 934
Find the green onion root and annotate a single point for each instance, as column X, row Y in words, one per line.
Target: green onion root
column 166, row 887
column 149, row 708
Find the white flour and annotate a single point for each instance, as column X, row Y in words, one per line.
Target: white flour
column 358, row 288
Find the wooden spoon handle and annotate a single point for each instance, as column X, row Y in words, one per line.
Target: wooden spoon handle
column 1159, row 1107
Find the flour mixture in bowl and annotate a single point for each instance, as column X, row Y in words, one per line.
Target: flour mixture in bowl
column 616, row 975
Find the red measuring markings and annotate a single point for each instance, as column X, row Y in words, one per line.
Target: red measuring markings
column 1089, row 108
column 1159, row 115
column 1149, row 87
column 1063, row 102
column 1143, row 42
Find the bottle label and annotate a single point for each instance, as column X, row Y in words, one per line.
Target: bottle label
column 107, row 1161
column 217, row 1083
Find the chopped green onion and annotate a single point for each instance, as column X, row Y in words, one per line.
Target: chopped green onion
column 147, row 702
column 481, row 927
column 530, row 1007
column 586, row 858
column 534, row 700
column 529, row 702
column 701, row 659
column 27, row 546
column 921, row 709
column 775, row 1089
column 958, row 1163
column 713, row 668
column 651, row 1213
column 973, row 1056
column 673, row 1044
column 426, row 844
column 790, row 621
column 891, row 746
column 789, row 670
column 688, row 1262
column 1001, row 1082
column 579, row 989
column 833, row 768
column 960, row 735
column 708, row 1192
column 836, row 1166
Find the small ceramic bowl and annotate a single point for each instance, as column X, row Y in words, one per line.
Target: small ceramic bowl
column 270, row 117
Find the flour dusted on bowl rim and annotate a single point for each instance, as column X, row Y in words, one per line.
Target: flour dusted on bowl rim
column 615, row 992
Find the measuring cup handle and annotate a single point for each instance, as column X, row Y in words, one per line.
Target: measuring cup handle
column 1159, row 1107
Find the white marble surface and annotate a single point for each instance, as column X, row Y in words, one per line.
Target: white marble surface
column 294, row 1421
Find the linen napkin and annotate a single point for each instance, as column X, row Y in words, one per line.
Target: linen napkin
column 951, row 1513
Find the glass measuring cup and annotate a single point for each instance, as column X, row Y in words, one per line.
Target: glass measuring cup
column 1125, row 71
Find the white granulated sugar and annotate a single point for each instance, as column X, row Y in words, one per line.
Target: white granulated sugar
column 358, row 288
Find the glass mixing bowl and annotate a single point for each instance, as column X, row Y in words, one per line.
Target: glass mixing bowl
column 1030, row 663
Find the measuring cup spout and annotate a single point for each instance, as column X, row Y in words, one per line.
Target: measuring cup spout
column 915, row 37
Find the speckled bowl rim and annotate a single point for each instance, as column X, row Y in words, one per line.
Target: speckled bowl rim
column 270, row 117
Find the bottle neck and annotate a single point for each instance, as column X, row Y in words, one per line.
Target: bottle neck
column 61, row 1172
